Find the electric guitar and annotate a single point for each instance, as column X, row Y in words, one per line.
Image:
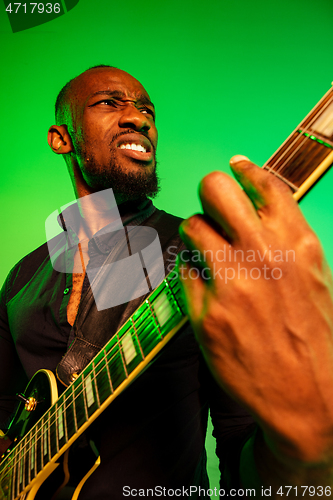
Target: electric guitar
column 45, row 426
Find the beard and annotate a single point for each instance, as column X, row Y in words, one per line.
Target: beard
column 130, row 184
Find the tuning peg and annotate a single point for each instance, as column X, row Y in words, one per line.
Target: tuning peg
column 30, row 403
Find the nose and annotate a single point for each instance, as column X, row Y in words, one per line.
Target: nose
column 131, row 117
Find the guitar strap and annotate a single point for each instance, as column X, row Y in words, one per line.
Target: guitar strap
column 93, row 328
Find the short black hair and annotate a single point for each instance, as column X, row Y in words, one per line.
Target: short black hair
column 64, row 92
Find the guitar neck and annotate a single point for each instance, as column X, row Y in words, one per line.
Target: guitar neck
column 301, row 160
column 121, row 360
column 308, row 152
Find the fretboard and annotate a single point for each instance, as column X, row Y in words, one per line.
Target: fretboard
column 300, row 162
column 122, row 359
column 308, row 152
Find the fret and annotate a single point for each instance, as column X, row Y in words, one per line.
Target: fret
column 39, row 447
column 128, row 347
column 167, row 309
column 89, row 389
column 25, row 467
column 16, row 472
column 321, row 139
column 95, row 383
column 20, row 470
column 53, row 432
column 320, row 112
column 12, row 477
column 122, row 355
column 177, row 292
column 84, row 399
column 163, row 308
column 154, row 316
column 74, row 407
column 61, row 427
column 308, row 151
column 32, row 457
column 303, row 158
column 146, row 329
column 115, row 363
column 80, row 402
column 131, row 349
column 138, row 343
column 46, row 440
column 68, row 414
column 33, row 452
column 127, row 344
column 103, row 380
column 61, row 422
column 27, row 458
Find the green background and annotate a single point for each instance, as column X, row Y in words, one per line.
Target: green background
column 226, row 77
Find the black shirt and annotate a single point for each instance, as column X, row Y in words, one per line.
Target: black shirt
column 153, row 434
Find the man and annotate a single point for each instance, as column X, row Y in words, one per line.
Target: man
column 163, row 442
column 153, row 434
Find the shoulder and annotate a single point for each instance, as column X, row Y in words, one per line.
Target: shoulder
column 160, row 218
column 167, row 227
column 25, row 268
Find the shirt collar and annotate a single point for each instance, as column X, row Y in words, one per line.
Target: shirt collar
column 131, row 212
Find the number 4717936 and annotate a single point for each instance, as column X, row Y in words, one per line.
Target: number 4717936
column 308, row 490
column 48, row 8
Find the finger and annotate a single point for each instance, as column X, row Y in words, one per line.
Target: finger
column 200, row 234
column 193, row 288
column 227, row 204
column 267, row 193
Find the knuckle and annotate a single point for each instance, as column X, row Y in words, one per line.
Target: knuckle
column 310, row 245
column 211, row 181
column 191, row 226
column 272, row 183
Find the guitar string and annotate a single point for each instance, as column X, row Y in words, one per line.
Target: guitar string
column 119, row 349
column 300, row 136
column 24, row 446
column 51, row 433
column 145, row 308
column 313, row 118
column 174, row 285
column 284, row 171
column 143, row 323
column 114, row 347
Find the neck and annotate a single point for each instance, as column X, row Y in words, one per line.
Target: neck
column 101, row 208
column 97, row 211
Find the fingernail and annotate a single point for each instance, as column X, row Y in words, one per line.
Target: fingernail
column 238, row 158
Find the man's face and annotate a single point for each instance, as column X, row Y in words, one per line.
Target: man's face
column 114, row 130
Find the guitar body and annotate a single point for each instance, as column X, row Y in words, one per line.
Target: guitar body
column 51, row 478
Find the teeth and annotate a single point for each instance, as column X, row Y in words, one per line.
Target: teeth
column 134, row 147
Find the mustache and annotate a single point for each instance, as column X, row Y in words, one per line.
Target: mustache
column 131, row 131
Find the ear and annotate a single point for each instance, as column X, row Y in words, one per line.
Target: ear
column 59, row 139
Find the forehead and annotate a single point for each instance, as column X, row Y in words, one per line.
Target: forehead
column 105, row 79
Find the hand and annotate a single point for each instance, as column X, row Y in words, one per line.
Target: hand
column 264, row 314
